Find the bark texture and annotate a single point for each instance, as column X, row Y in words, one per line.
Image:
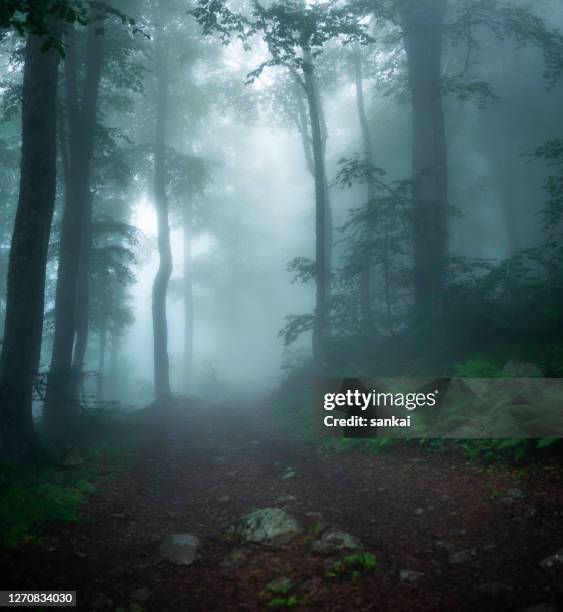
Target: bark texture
column 61, row 383
column 23, row 327
column 366, row 293
column 423, row 22
column 160, row 285
column 322, row 216
column 188, row 296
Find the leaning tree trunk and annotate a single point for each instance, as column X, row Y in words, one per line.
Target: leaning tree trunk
column 366, row 289
column 322, row 266
column 188, row 296
column 59, row 402
column 422, row 32
column 23, row 326
column 160, row 285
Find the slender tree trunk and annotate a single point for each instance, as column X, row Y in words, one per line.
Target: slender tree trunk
column 366, row 294
column 82, row 124
column 82, row 302
column 160, row 285
column 23, row 326
column 101, row 360
column 188, row 297
column 321, row 320
column 422, row 32
column 114, row 367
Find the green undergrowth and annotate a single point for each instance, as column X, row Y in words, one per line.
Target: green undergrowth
column 27, row 508
column 293, row 412
column 352, row 566
column 36, row 499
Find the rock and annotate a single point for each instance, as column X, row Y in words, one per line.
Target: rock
column 141, row 594
column 521, row 369
column 554, row 560
column 442, row 545
column 282, row 585
column 180, row 548
column 267, row 526
column 333, row 541
column 462, row 556
column 419, row 512
column 224, row 499
column 411, row 576
column 285, row 499
column 459, row 533
column 511, row 495
column 494, row 589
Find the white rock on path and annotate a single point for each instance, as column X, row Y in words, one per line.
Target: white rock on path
column 180, row 548
column 272, row 526
column 334, row 540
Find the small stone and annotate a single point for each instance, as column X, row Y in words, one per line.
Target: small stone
column 411, row 576
column 419, row 512
column 554, row 560
column 180, row 548
column 511, row 495
column 224, row 499
column 334, row 540
column 462, row 556
column 285, row 499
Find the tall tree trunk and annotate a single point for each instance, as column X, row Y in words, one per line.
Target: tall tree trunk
column 322, row 260
column 101, row 359
column 82, row 302
column 160, row 285
column 188, row 297
column 422, row 32
column 366, row 290
column 82, row 124
column 114, row 367
column 23, row 327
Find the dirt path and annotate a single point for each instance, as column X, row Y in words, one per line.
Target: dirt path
column 476, row 538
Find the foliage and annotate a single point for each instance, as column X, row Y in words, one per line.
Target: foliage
column 352, row 566
column 27, row 509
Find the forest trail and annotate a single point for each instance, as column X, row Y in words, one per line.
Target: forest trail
column 476, row 538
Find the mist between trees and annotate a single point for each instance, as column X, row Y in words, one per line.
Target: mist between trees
column 208, row 195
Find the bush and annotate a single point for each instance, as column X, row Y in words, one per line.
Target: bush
column 26, row 509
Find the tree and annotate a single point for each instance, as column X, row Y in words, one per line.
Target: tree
column 294, row 34
column 160, row 285
column 23, row 327
column 82, row 106
column 422, row 25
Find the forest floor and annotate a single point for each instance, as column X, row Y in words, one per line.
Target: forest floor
column 446, row 534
